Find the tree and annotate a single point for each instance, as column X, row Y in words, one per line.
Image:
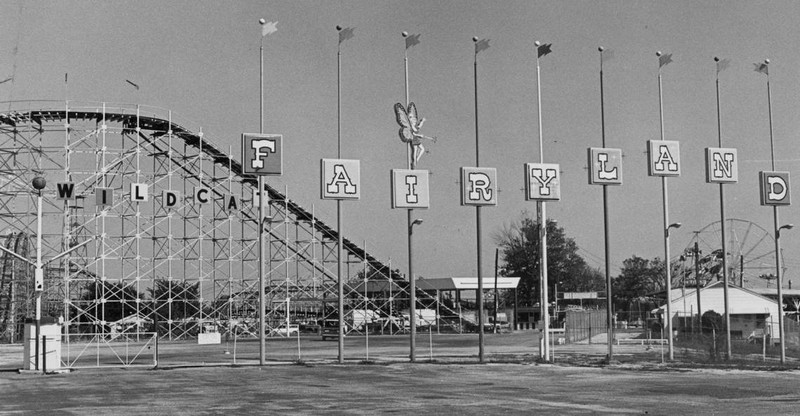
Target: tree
column 104, row 301
column 175, row 299
column 638, row 280
column 565, row 267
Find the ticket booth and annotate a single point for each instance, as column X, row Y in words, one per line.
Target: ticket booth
column 49, row 345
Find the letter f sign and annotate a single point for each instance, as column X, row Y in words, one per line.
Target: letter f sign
column 262, row 149
column 262, row 154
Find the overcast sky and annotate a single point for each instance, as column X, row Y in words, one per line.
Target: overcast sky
column 201, row 60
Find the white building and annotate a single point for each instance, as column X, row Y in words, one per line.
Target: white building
column 751, row 313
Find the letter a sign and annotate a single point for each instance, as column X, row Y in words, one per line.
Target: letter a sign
column 605, row 166
column 478, row 186
column 542, row 182
column 410, row 188
column 341, row 179
column 721, row 165
column 262, row 154
column 664, row 157
column 774, row 188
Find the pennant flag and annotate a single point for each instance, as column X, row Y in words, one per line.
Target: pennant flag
column 134, row 85
column 412, row 40
column 607, row 55
column 481, row 45
column 664, row 59
column 544, row 49
column 269, row 28
column 6, row 80
column 346, row 33
column 66, row 76
column 723, row 65
column 762, row 68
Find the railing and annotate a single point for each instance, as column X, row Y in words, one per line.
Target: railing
column 105, row 350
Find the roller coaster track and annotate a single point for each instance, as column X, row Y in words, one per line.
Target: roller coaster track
column 195, row 140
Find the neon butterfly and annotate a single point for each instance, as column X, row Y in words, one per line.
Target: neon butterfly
column 410, row 125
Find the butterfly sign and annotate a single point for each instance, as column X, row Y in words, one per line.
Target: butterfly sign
column 410, row 125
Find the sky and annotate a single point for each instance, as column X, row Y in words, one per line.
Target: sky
column 200, row 59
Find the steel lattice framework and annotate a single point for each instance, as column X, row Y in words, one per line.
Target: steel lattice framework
column 173, row 268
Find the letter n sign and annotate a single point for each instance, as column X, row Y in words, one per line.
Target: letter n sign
column 410, row 188
column 664, row 158
column 774, row 188
column 542, row 182
column 262, row 154
column 721, row 165
column 340, row 179
column 478, row 186
column 605, row 166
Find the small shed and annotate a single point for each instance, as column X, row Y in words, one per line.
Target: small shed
column 751, row 313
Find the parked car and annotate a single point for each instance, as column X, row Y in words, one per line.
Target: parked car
column 329, row 328
column 283, row 330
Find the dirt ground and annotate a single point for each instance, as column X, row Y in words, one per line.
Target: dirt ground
column 194, row 379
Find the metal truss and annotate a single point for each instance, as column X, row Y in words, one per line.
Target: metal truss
column 171, row 269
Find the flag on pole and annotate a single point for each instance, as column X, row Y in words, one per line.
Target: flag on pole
column 269, row 28
column 412, row 40
column 762, row 68
column 544, row 49
column 723, row 64
column 66, row 76
column 346, row 33
column 607, row 55
column 664, row 59
column 130, row 82
column 481, row 45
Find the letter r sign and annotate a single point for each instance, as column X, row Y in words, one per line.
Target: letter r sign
column 478, row 186
column 262, row 154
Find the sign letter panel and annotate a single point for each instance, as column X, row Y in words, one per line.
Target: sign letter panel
column 664, row 158
column 262, row 154
column 542, row 182
column 340, row 179
column 721, row 165
column 605, row 166
column 774, row 187
column 478, row 186
column 410, row 188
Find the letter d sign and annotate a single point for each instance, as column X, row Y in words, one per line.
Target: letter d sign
column 774, row 187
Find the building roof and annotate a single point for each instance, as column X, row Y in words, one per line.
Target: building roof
column 466, row 283
column 754, row 303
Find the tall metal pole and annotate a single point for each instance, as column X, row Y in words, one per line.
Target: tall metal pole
column 665, row 228
column 775, row 222
column 39, row 277
column 479, row 294
column 262, row 343
column 606, row 240
column 545, row 313
column 339, row 266
column 697, row 282
column 722, row 228
column 412, row 281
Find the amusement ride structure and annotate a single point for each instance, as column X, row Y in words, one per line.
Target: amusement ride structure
column 174, row 228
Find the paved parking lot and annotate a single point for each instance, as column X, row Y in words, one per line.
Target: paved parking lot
column 200, row 379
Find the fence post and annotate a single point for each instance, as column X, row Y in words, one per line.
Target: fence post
column 44, row 354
